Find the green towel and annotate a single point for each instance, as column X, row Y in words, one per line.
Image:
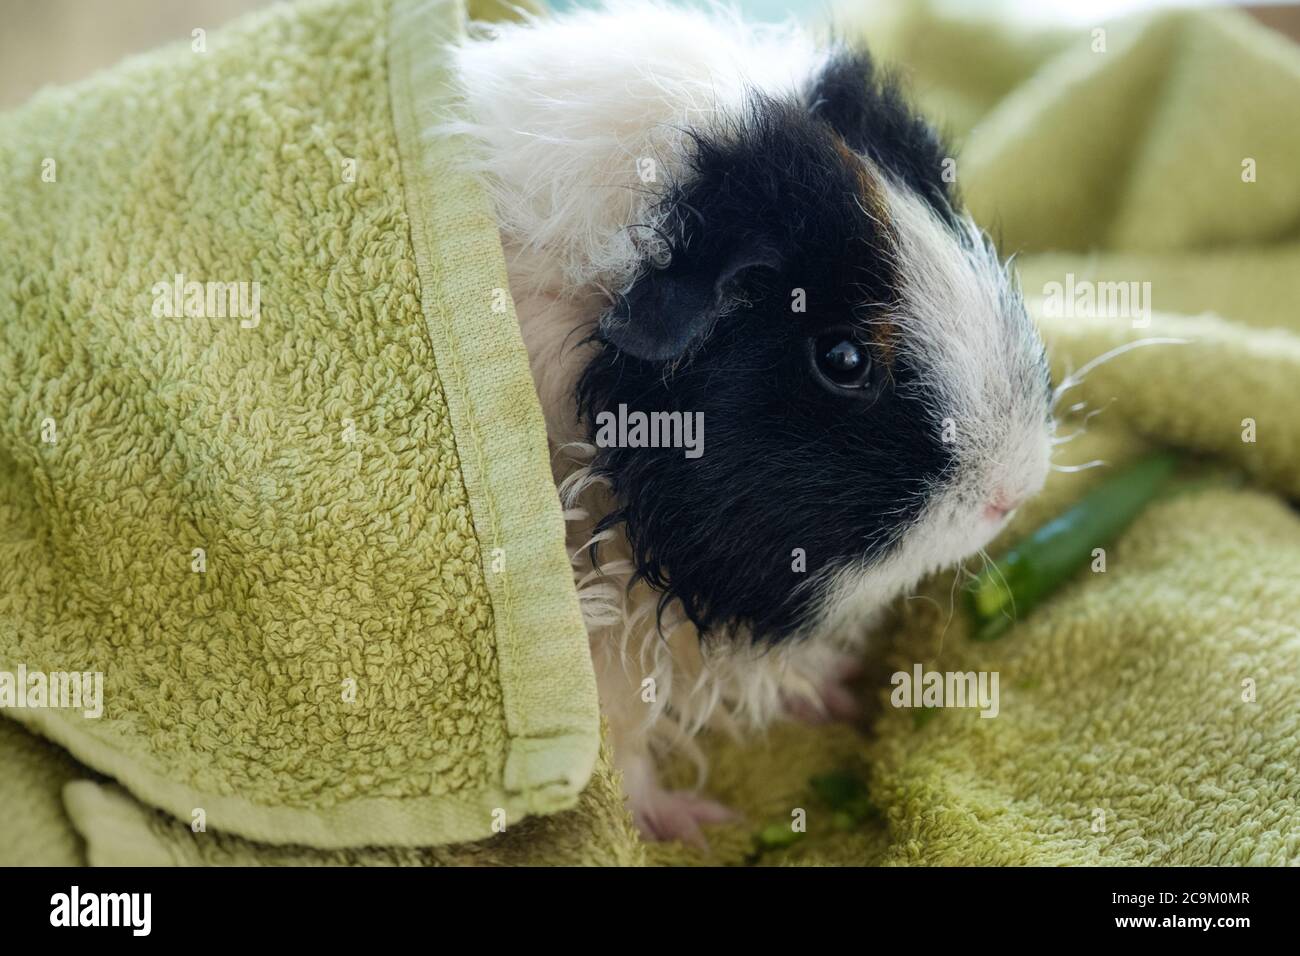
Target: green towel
column 271, row 461
column 1148, row 714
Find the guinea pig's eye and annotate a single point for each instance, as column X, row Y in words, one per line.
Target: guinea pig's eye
column 840, row 361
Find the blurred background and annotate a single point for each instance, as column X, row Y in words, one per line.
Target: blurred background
column 58, row 41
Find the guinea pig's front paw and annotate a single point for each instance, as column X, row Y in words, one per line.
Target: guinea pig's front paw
column 662, row 814
column 829, row 697
column 677, row 815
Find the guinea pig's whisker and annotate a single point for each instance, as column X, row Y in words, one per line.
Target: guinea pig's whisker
column 960, row 570
column 1069, row 469
column 1076, row 378
column 990, row 563
column 925, row 597
column 1083, row 426
column 1096, row 411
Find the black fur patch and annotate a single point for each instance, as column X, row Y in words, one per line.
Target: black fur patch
column 868, row 107
column 787, row 464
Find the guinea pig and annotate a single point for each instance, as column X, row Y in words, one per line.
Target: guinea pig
column 734, row 228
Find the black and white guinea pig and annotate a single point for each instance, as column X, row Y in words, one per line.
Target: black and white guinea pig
column 736, row 224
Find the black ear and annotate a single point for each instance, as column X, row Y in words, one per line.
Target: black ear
column 667, row 310
column 868, row 108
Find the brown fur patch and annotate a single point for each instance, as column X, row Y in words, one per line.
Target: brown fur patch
column 883, row 330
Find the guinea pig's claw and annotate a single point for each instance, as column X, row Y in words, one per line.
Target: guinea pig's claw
column 837, row 705
column 833, row 699
column 677, row 815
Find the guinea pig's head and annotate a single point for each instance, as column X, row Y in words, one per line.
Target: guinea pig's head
column 874, row 399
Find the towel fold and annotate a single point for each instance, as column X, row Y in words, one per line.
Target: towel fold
column 1148, row 713
column 272, row 468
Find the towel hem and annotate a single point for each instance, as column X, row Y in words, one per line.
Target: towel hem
column 548, row 686
column 547, row 681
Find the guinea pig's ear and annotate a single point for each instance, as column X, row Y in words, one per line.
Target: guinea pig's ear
column 868, row 108
column 668, row 310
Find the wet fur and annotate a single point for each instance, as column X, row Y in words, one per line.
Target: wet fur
column 779, row 166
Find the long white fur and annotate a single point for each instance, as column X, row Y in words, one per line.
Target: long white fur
column 564, row 112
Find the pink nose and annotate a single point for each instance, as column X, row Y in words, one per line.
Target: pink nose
column 999, row 506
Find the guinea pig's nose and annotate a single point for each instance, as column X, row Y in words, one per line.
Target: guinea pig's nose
column 1000, row 505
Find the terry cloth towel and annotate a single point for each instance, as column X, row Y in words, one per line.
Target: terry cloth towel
column 1148, row 714
column 271, row 462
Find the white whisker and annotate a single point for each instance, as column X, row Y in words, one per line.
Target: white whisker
column 1075, row 378
column 1070, row 469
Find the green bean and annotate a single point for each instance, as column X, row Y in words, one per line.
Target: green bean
column 1019, row 581
column 845, row 793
